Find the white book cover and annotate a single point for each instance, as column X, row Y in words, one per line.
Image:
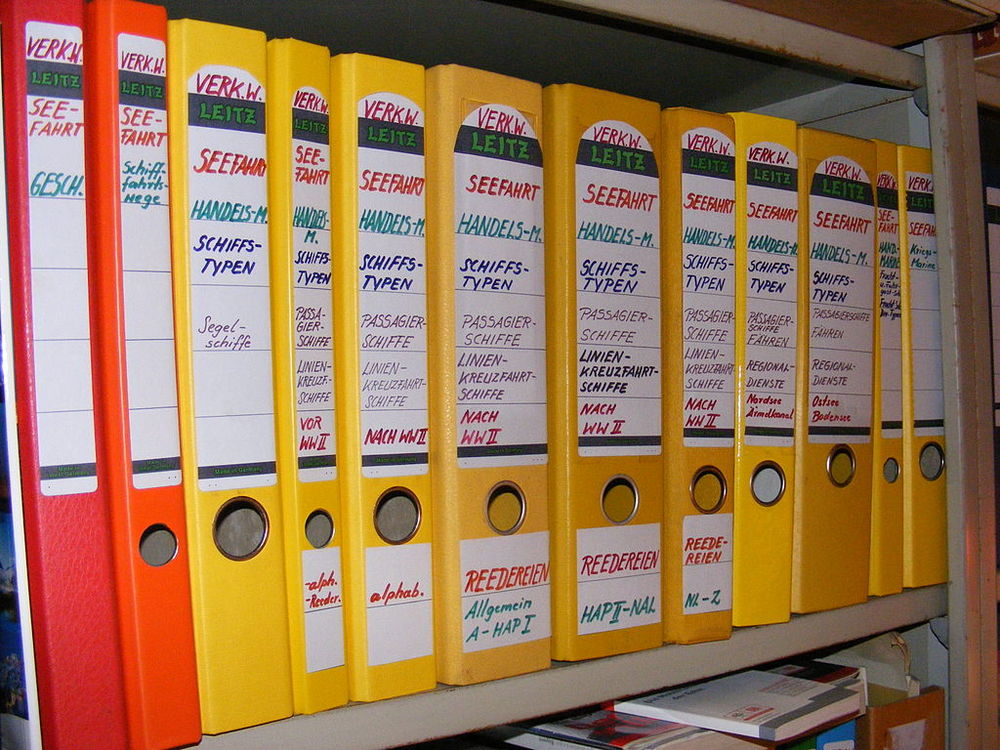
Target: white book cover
column 763, row 705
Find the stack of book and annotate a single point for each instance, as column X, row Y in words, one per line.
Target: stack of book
column 793, row 706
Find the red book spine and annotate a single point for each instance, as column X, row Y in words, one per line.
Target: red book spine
column 67, row 524
column 132, row 310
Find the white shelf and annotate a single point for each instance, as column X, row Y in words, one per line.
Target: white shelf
column 731, row 24
column 653, row 49
column 454, row 710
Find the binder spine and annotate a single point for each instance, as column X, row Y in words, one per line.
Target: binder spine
column 612, row 154
column 218, row 170
column 134, row 329
column 74, row 617
column 699, row 374
column 834, row 454
column 604, row 327
column 488, row 407
column 925, row 553
column 382, row 374
column 302, row 284
column 767, row 271
column 886, row 570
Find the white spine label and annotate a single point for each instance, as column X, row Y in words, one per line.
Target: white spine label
column 322, row 595
column 841, row 296
column 499, row 291
column 57, row 230
column 709, row 286
column 618, row 341
column 707, row 560
column 505, row 590
column 230, row 291
column 392, row 283
column 925, row 305
column 890, row 306
column 772, row 212
column 618, row 577
column 312, row 283
column 400, row 622
column 147, row 280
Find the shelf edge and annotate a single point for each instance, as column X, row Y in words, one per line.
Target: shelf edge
column 448, row 710
column 732, row 24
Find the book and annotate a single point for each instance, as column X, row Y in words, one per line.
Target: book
column 827, row 672
column 380, row 326
column 607, row 729
column 488, row 407
column 767, row 270
column 754, row 703
column 135, row 374
column 216, row 78
column 65, row 501
column 840, row 737
column 302, row 316
column 699, row 273
column 833, row 448
column 604, row 340
column 925, row 513
column 885, row 574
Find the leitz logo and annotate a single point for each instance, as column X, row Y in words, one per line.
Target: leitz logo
column 499, row 133
column 226, row 101
column 54, row 62
column 618, row 157
column 617, row 146
column 390, row 123
column 310, row 122
column 842, row 180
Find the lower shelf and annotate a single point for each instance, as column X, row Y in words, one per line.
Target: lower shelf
column 454, row 710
